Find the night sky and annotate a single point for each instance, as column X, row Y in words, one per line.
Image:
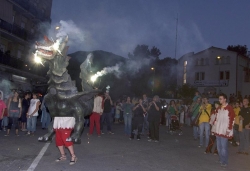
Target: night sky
column 119, row 25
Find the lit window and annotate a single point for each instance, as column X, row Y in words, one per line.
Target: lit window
column 185, row 72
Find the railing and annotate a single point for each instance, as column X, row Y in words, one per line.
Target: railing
column 16, row 30
column 28, row 6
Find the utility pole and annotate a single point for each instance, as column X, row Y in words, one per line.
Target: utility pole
column 176, row 36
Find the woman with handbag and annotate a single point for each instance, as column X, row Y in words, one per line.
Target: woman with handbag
column 204, row 118
column 14, row 113
column 212, row 138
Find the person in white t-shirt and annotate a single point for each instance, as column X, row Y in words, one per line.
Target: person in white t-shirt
column 32, row 114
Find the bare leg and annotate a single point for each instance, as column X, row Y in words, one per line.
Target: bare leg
column 16, row 131
column 63, row 156
column 73, row 156
column 61, row 149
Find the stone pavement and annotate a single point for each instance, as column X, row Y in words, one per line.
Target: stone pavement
column 117, row 153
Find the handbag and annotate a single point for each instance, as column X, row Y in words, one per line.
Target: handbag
column 195, row 121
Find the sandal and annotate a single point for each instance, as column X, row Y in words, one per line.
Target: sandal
column 72, row 162
column 62, row 158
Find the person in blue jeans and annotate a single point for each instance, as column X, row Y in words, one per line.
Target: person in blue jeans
column 204, row 118
column 107, row 115
column 127, row 115
column 46, row 119
column 32, row 114
column 223, row 129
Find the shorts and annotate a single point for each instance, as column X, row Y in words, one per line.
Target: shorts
column 61, row 136
column 117, row 116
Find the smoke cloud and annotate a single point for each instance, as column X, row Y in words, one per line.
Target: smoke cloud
column 131, row 67
column 72, row 30
column 107, row 70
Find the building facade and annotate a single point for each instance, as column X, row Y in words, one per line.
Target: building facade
column 215, row 70
column 22, row 22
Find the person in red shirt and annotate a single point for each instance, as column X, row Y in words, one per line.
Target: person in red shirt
column 2, row 109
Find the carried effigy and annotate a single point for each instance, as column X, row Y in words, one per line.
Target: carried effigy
column 62, row 98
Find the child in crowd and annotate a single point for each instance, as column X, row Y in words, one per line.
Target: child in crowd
column 212, row 138
column 2, row 109
column 117, row 112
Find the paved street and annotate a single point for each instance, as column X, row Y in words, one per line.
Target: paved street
column 116, row 152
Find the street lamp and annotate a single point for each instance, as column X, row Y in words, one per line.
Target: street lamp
column 57, row 28
column 153, row 69
column 219, row 60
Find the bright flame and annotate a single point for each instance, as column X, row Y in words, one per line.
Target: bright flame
column 37, row 59
column 56, row 46
column 93, row 78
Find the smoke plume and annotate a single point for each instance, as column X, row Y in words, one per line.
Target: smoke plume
column 107, row 70
column 131, row 67
column 72, row 30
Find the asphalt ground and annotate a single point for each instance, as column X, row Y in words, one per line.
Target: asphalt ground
column 115, row 153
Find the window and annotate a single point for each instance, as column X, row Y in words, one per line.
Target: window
column 206, row 61
column 247, row 76
column 221, row 75
column 185, row 78
column 2, row 48
column 202, row 61
column 197, row 76
column 19, row 53
column 202, row 75
column 22, row 25
column 227, row 73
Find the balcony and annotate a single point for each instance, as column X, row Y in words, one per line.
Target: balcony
column 16, row 30
column 29, row 7
column 22, row 65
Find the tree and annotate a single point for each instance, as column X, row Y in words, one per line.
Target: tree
column 187, row 91
column 238, row 48
column 155, row 52
column 141, row 51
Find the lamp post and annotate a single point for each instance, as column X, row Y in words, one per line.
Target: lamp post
column 153, row 69
column 219, row 60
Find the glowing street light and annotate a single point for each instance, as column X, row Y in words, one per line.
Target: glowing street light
column 57, row 27
column 153, row 69
column 218, row 57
